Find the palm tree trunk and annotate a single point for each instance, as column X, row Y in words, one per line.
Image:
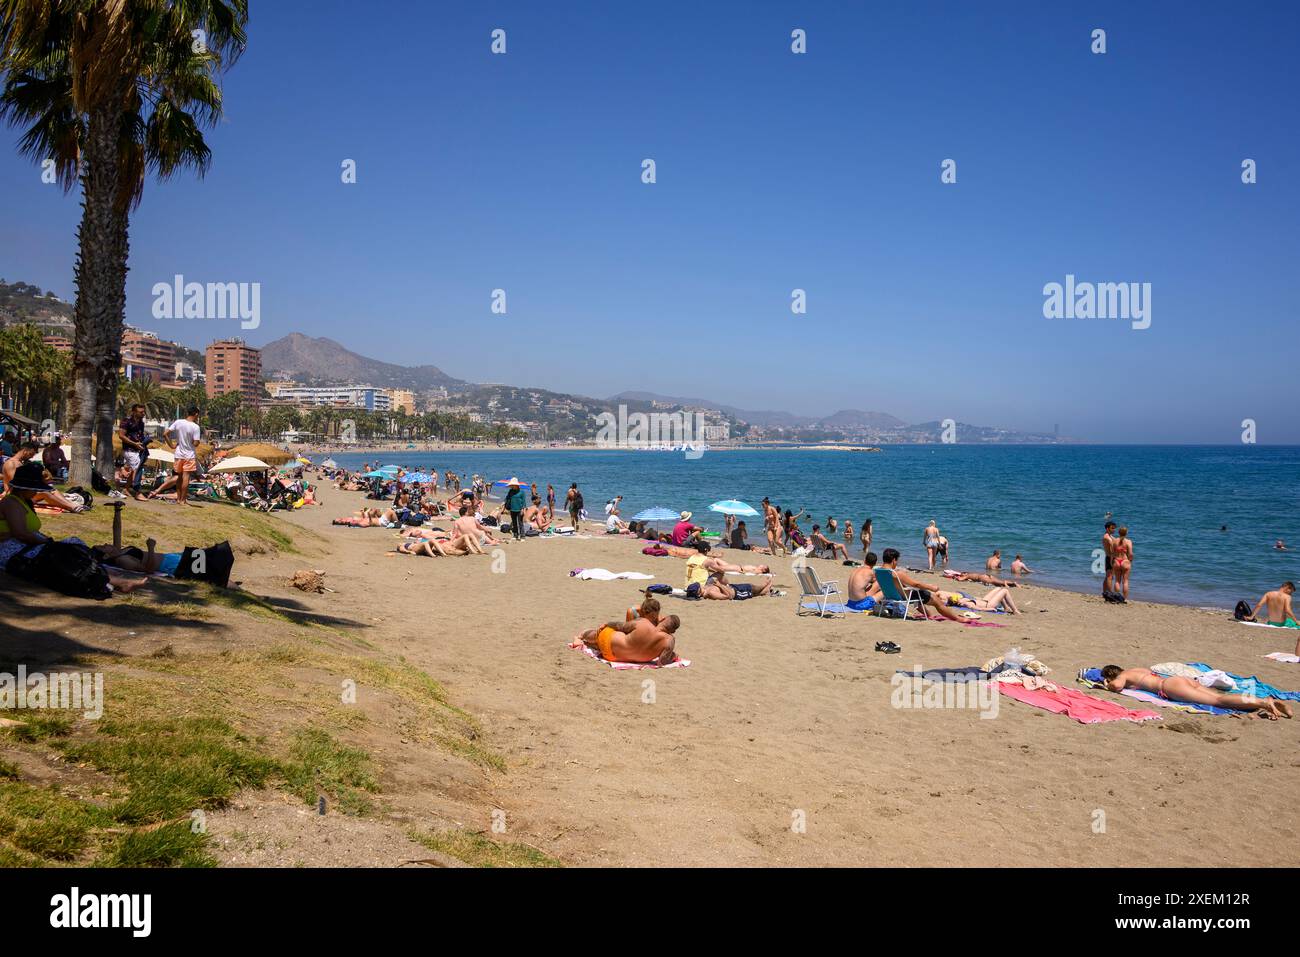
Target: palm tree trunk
column 101, row 299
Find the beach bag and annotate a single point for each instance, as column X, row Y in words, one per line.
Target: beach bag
column 659, row 590
column 693, row 590
column 894, row 609
column 214, row 566
column 652, row 550
column 99, row 484
column 65, row 567
column 1242, row 612
column 80, row 496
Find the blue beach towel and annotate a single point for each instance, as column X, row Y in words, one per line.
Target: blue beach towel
column 1251, row 685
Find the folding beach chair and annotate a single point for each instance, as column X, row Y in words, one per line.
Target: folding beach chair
column 891, row 591
column 811, row 587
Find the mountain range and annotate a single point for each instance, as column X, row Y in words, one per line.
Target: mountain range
column 845, row 419
column 309, row 360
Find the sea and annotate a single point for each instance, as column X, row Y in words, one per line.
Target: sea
column 1046, row 503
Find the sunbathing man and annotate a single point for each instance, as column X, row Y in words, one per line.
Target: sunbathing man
column 718, row 565
column 999, row 599
column 822, row 543
column 904, row 580
column 1185, row 689
column 467, row 524
column 717, row 588
column 864, row 591
column 640, row 641
column 980, row 577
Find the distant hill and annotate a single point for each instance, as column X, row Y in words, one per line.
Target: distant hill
column 324, row 360
column 845, row 419
column 22, row 302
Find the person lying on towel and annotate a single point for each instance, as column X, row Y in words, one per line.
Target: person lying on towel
column 1184, row 689
column 641, row 641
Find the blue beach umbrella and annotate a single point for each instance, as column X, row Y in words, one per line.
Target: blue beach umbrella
column 731, row 506
column 378, row 474
column 655, row 515
column 419, row 477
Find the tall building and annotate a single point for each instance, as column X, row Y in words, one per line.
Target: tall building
column 146, row 349
column 402, row 400
column 233, row 366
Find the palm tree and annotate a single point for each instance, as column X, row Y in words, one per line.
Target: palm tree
column 155, row 399
column 111, row 90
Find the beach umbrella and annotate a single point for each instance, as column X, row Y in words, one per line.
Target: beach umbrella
column 161, row 455
column 419, row 477
column 329, row 464
column 656, row 515
column 731, row 506
column 303, row 460
column 240, row 463
column 264, row 451
column 378, row 474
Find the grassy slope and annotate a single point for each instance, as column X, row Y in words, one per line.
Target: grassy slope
column 185, row 732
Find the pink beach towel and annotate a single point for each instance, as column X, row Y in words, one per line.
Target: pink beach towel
column 969, row 623
column 627, row 665
column 1083, row 708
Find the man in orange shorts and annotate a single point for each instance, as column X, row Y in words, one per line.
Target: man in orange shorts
column 183, row 437
column 640, row 640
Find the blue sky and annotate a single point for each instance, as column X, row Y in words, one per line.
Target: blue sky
column 775, row 171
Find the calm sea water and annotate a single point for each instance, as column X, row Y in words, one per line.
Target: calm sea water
column 1047, row 503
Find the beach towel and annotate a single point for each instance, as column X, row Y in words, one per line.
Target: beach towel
column 604, row 574
column 1283, row 656
column 1083, row 708
column 969, row 622
column 1092, row 678
column 627, row 665
column 834, row 607
column 1250, row 685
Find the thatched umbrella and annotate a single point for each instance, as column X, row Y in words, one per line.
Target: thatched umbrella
column 268, row 453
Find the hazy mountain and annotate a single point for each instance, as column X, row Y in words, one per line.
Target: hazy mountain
column 845, row 419
column 324, row 360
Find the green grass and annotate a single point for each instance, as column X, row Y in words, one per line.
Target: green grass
column 477, row 850
column 173, row 767
column 40, row 726
column 42, row 826
column 319, row 765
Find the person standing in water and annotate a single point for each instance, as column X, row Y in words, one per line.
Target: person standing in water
column 866, row 537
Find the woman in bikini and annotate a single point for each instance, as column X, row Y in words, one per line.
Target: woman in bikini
column 999, row 599
column 1122, row 556
column 1174, row 688
column 866, row 536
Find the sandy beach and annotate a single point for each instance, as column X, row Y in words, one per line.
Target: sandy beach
column 780, row 713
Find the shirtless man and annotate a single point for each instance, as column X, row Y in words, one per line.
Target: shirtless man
column 1018, row 567
column 719, row 566
column 980, row 577
column 467, row 524
column 890, row 561
column 639, row 640
column 1280, row 612
column 719, row 589
column 1185, row 689
column 994, row 562
column 536, row 516
column 862, row 585
column 820, row 541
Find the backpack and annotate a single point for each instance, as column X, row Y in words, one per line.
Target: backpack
column 576, row 504
column 66, row 567
column 99, row 484
column 78, row 492
column 215, row 565
column 1242, row 612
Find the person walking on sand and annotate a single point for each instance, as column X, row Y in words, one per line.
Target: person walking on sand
column 183, row 436
column 1123, row 564
column 772, row 526
column 930, row 538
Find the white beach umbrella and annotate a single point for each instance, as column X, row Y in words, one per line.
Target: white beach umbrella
column 241, row 463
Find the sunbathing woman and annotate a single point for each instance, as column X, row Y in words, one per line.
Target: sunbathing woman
column 364, row 518
column 999, row 599
column 1184, row 689
column 714, row 564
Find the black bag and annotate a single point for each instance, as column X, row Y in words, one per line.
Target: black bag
column 576, row 504
column 66, row 567
column 1242, row 612
column 659, row 590
column 99, row 484
column 211, row 564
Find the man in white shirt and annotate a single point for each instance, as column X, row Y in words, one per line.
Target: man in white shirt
column 183, row 437
column 613, row 524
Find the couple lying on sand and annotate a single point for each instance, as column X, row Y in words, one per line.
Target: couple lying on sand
column 644, row 638
column 467, row 536
column 865, row 591
column 1175, row 688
